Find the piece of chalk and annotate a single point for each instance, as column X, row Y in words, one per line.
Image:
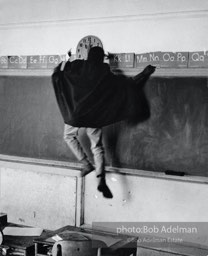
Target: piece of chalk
column 176, row 173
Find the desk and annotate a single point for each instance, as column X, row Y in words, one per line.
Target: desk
column 19, row 245
column 120, row 245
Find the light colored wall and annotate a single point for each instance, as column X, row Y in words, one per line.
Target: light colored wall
column 148, row 199
column 50, row 197
column 39, row 195
column 50, row 27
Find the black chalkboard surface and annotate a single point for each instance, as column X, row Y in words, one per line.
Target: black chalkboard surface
column 174, row 138
column 176, row 135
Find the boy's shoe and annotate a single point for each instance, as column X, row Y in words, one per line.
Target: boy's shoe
column 86, row 169
column 102, row 187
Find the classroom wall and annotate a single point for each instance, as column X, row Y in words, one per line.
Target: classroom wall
column 36, row 195
column 142, row 200
column 50, row 27
column 53, row 27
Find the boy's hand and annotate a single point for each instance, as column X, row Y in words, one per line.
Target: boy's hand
column 69, row 53
column 149, row 70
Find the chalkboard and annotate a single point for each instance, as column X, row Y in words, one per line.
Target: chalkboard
column 174, row 138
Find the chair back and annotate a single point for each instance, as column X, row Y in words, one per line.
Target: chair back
column 75, row 248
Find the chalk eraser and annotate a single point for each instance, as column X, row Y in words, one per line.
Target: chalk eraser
column 176, row 173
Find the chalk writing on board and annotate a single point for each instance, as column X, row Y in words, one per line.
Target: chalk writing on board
column 198, row 59
column 3, row 62
column 144, row 59
column 17, row 62
column 174, row 59
column 54, row 60
column 37, row 61
column 122, row 60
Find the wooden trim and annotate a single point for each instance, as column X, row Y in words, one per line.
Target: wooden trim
column 170, row 72
column 74, row 169
column 80, row 202
column 57, row 167
column 160, row 72
column 186, row 14
column 26, row 72
column 158, row 175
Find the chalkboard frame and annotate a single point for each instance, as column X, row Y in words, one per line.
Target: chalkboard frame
column 160, row 72
column 75, row 169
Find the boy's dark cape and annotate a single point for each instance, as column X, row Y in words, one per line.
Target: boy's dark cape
column 91, row 95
